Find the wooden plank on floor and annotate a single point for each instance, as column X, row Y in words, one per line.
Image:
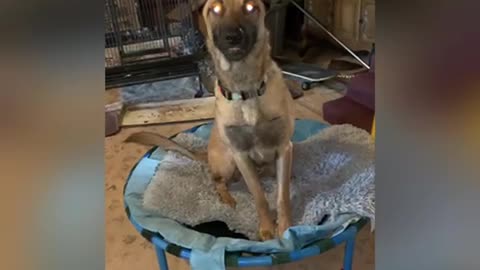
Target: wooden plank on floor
column 306, row 107
column 170, row 112
column 302, row 112
column 316, row 97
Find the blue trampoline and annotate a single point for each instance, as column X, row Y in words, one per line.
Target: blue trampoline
column 245, row 258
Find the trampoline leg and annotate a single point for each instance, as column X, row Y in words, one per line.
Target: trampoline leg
column 162, row 259
column 348, row 256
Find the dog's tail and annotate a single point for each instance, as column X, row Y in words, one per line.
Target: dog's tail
column 153, row 139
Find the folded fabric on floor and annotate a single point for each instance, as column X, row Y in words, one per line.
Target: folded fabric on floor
column 333, row 176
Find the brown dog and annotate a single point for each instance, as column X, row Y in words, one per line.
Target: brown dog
column 254, row 113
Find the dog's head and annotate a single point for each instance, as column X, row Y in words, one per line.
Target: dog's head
column 234, row 27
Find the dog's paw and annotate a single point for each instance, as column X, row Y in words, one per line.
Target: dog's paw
column 266, row 235
column 266, row 230
column 227, row 199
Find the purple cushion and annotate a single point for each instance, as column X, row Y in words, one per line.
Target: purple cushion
column 346, row 111
column 361, row 89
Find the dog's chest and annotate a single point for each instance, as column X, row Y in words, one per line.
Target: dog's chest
column 263, row 134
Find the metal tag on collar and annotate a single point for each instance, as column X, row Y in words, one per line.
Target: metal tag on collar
column 236, row 96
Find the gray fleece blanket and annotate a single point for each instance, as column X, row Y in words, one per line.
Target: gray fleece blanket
column 333, row 173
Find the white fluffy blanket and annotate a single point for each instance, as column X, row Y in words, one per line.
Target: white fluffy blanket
column 333, row 173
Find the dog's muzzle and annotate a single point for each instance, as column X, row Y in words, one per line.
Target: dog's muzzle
column 234, row 42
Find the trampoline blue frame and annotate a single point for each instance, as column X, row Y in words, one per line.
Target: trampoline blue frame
column 347, row 237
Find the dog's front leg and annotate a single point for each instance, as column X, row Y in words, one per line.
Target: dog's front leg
column 249, row 173
column 284, row 170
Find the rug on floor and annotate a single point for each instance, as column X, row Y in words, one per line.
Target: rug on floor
column 333, row 173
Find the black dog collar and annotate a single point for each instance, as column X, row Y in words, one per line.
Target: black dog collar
column 242, row 95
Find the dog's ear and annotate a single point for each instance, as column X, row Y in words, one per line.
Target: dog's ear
column 197, row 7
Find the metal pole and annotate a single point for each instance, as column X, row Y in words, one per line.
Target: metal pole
column 162, row 259
column 349, row 251
column 311, row 17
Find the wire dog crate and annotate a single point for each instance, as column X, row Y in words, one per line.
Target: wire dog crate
column 149, row 40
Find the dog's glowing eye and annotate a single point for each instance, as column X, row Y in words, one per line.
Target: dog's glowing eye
column 217, row 8
column 249, row 7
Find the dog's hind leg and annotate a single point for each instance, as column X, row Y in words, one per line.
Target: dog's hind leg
column 222, row 190
column 222, row 167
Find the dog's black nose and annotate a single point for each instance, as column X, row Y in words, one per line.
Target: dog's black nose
column 234, row 36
